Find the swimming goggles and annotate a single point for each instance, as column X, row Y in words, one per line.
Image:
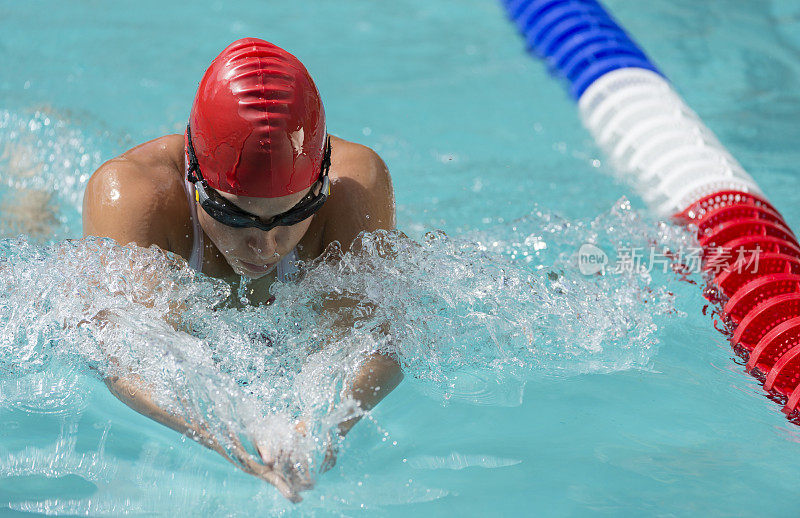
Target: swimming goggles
column 229, row 214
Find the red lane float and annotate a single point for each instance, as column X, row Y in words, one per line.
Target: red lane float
column 753, row 258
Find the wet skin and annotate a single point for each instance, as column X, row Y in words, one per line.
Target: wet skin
column 139, row 198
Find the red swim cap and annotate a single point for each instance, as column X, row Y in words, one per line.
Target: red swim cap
column 257, row 123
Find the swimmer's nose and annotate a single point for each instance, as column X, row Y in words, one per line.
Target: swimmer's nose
column 263, row 245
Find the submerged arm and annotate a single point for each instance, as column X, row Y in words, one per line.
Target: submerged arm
column 137, row 393
column 134, row 392
column 378, row 376
column 118, row 203
column 365, row 202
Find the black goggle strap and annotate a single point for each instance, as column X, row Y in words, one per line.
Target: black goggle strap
column 325, row 167
column 194, row 165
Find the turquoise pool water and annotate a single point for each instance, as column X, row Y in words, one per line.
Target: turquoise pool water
column 531, row 390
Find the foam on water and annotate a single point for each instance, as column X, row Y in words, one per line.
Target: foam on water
column 470, row 317
column 459, row 461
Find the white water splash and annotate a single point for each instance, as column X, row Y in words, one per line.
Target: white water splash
column 468, row 318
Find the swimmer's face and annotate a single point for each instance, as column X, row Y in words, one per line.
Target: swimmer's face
column 249, row 251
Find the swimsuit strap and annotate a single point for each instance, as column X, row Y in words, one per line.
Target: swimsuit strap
column 196, row 259
column 287, row 267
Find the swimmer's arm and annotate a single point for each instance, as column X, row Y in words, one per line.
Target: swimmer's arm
column 116, row 204
column 133, row 391
column 376, row 378
column 119, row 203
column 364, row 202
column 136, row 393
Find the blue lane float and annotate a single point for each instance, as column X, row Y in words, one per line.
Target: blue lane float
column 577, row 38
column 682, row 171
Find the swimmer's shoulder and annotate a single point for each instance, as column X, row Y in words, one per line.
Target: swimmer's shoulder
column 358, row 162
column 138, row 196
column 362, row 196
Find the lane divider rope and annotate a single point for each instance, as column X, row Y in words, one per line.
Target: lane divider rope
column 682, row 171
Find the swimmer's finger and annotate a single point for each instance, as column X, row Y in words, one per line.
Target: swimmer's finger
column 268, row 457
column 245, row 460
column 327, row 465
column 301, row 477
column 295, row 476
column 280, row 483
column 330, row 459
column 303, row 481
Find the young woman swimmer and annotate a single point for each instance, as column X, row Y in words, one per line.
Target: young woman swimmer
column 253, row 185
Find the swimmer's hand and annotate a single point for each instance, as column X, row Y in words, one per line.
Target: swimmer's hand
column 297, row 474
column 271, row 472
column 136, row 394
column 330, row 453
